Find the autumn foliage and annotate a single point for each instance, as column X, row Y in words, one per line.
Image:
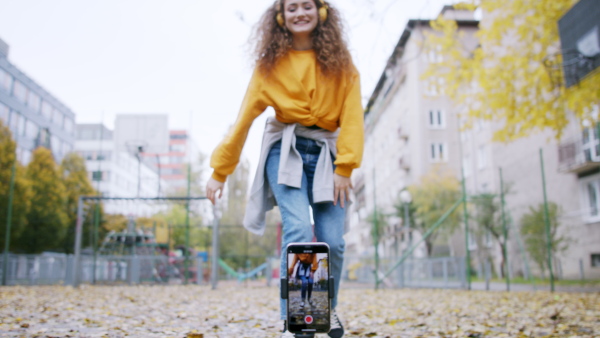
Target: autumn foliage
column 512, row 76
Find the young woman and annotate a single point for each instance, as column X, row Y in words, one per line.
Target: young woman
column 305, row 72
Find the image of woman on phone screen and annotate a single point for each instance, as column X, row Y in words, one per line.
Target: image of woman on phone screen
column 304, row 71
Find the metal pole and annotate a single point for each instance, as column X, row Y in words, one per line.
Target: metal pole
column 8, row 223
column 375, row 233
column 407, row 217
column 139, row 155
column 215, row 250
column 504, row 252
column 187, row 226
column 547, row 221
column 95, row 238
column 158, row 168
column 168, row 250
column 77, row 250
column 466, row 216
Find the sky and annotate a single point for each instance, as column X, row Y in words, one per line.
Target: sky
column 186, row 58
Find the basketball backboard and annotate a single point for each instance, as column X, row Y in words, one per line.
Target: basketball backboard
column 148, row 131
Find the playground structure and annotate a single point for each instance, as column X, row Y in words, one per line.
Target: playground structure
column 134, row 256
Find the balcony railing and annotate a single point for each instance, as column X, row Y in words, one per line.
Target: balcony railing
column 577, row 156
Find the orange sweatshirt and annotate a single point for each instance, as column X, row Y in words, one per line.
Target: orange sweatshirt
column 299, row 93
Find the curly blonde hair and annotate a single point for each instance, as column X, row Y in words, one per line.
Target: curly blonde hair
column 271, row 41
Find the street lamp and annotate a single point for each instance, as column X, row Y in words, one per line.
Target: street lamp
column 406, row 198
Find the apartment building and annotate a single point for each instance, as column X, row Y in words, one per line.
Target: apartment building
column 173, row 163
column 35, row 117
column 117, row 173
column 411, row 128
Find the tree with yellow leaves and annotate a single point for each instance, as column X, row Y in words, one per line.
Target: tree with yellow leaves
column 21, row 192
column 47, row 217
column 506, row 78
column 435, row 194
column 77, row 183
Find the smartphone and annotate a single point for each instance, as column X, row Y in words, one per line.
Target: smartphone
column 309, row 288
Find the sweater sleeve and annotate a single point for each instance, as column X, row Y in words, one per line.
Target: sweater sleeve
column 226, row 156
column 350, row 141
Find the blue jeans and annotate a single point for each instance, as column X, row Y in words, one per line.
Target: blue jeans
column 307, row 285
column 294, row 206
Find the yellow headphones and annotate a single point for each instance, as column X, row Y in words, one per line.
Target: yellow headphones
column 322, row 13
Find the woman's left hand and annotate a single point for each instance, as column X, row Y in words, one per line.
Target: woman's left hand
column 341, row 189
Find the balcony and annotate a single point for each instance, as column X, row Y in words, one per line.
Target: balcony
column 579, row 156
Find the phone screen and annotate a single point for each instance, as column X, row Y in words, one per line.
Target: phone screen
column 308, row 287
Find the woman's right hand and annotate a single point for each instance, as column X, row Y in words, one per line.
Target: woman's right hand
column 212, row 187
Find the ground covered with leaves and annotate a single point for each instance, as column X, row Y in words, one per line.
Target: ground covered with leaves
column 253, row 311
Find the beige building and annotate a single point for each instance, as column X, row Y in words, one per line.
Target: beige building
column 412, row 127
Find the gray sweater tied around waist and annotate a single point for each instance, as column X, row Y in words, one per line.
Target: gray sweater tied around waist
column 290, row 169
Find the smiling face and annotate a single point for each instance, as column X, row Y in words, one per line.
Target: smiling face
column 301, row 17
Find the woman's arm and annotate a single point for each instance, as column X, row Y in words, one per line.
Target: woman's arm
column 350, row 141
column 291, row 267
column 226, row 156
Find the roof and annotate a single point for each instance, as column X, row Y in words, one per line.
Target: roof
column 399, row 50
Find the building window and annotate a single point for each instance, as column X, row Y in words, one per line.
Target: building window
column 435, row 55
column 179, row 148
column 6, row 80
column 595, row 258
column 438, row 152
column 436, row 119
column 591, row 146
column 13, row 121
column 96, row 176
column 57, row 117
column 4, row 112
column 103, row 155
column 46, row 110
column 22, row 124
column 68, row 125
column 590, row 193
column 178, row 136
column 33, row 102
column 31, row 130
column 20, row 92
column 100, row 176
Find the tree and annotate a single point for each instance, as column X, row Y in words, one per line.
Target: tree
column 436, row 193
column 379, row 222
column 234, row 245
column 533, row 230
column 488, row 216
column 21, row 194
column 505, row 78
column 175, row 218
column 47, row 218
column 77, row 183
column 115, row 222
